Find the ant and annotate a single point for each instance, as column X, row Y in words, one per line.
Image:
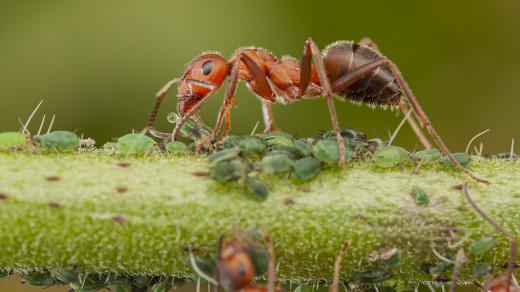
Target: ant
column 235, row 270
column 355, row 72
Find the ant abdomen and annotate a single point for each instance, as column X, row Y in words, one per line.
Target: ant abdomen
column 377, row 88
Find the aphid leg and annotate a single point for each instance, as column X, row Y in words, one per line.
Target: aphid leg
column 512, row 239
column 271, row 273
column 260, row 81
column 402, row 106
column 267, row 112
column 194, row 109
column 426, row 122
column 311, row 52
column 337, row 267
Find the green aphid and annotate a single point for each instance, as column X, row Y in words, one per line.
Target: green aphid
column 257, row 187
column 390, row 258
column 89, row 282
column 227, row 170
column 62, row 141
column 176, row 147
column 462, row 158
column 160, row 287
column 289, row 151
column 231, row 141
column 251, row 146
column 38, row 279
column 109, row 147
column 306, row 168
column 144, row 281
column 428, row 155
column 305, row 288
column 117, row 280
column 190, row 129
column 136, row 143
column 481, row 269
column 223, row 155
column 125, row 287
column 482, row 245
column 327, row 150
column 65, row 276
column 278, row 163
column 441, row 267
column 12, row 139
column 374, row 275
column 278, row 138
column 390, row 156
column 302, row 148
column 420, row 196
column 260, row 261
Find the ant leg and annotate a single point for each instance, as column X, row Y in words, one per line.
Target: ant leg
column 195, row 108
column 337, row 267
column 512, row 239
column 426, row 122
column 160, row 96
column 403, row 107
column 267, row 112
column 415, row 127
column 260, row 81
column 311, row 52
column 271, row 273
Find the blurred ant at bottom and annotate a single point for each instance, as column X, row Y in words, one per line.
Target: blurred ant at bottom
column 235, row 268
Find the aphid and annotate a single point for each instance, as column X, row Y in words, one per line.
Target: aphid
column 502, row 282
column 355, row 72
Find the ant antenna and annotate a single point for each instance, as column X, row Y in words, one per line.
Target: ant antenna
column 197, row 270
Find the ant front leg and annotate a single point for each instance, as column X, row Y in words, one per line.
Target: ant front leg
column 402, row 106
column 160, row 96
column 195, row 108
column 311, row 52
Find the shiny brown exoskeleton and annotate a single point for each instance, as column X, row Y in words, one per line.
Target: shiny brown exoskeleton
column 354, row 72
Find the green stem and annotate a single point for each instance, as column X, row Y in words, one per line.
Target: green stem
column 100, row 216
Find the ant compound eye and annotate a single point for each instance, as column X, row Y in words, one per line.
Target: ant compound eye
column 241, row 270
column 207, row 67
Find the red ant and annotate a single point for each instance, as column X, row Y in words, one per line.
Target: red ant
column 235, row 269
column 356, row 72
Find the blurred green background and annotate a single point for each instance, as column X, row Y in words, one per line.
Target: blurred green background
column 98, row 64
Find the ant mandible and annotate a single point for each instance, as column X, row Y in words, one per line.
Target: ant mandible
column 355, row 72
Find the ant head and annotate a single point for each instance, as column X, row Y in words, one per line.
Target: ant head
column 236, row 269
column 205, row 73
